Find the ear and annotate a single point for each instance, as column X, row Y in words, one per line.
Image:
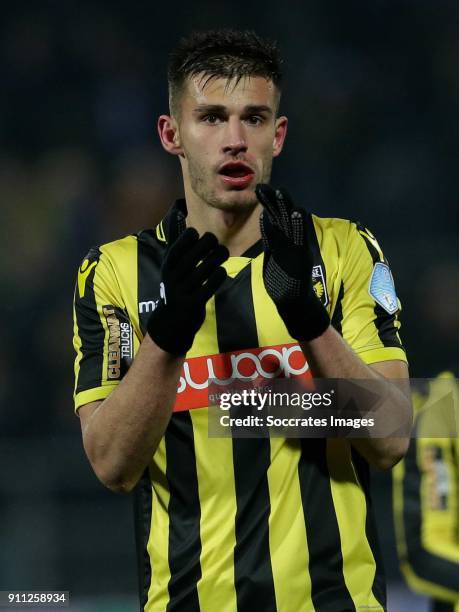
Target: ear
column 169, row 134
column 279, row 135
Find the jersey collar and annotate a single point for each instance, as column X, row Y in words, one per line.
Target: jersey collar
column 163, row 231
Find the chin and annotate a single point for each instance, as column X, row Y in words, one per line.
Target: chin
column 233, row 200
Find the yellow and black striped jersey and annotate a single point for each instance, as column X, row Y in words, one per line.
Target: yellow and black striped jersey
column 244, row 524
column 426, row 497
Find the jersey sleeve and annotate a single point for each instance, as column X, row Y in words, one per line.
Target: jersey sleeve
column 426, row 510
column 367, row 310
column 103, row 336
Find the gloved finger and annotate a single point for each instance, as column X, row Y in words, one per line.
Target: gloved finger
column 207, row 266
column 272, row 235
column 176, row 225
column 267, row 197
column 309, row 233
column 215, row 280
column 182, row 245
column 285, row 207
column 203, row 247
column 278, row 204
column 189, row 254
column 298, row 224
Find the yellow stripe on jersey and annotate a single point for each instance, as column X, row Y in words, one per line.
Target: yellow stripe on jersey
column 214, row 460
column 359, row 565
column 287, row 533
column 123, row 258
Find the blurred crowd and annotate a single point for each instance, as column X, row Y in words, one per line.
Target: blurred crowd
column 371, row 90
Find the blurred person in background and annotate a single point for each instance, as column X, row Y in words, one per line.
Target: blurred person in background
column 426, row 497
column 226, row 524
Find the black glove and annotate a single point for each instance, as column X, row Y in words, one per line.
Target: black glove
column 287, row 233
column 190, row 275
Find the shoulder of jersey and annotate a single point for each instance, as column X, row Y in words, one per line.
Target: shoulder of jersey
column 146, row 236
column 334, row 225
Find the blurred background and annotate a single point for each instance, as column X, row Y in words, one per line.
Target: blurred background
column 371, row 91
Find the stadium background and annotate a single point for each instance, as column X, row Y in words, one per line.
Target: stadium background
column 371, row 90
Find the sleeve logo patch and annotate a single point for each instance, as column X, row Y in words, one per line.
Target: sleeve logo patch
column 120, row 345
column 382, row 288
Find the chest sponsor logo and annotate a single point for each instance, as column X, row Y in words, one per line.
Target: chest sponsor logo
column 319, row 285
column 262, row 363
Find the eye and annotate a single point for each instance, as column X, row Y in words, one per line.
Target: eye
column 211, row 119
column 255, row 120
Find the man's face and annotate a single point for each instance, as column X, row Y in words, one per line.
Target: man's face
column 229, row 135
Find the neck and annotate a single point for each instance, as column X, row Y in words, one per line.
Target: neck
column 236, row 230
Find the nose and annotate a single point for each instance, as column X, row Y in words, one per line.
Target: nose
column 235, row 140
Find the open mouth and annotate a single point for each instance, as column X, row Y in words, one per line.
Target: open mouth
column 236, row 174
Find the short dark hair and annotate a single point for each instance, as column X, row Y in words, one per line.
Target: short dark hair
column 230, row 54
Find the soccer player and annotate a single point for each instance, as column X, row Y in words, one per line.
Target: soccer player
column 236, row 524
column 426, row 498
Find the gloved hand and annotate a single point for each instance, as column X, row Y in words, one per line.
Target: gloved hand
column 190, row 275
column 287, row 233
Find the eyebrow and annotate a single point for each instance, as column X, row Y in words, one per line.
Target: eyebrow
column 251, row 109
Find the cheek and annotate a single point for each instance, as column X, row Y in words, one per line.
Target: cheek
column 265, row 151
column 198, row 147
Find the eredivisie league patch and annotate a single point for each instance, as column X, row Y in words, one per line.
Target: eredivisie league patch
column 318, row 283
column 382, row 288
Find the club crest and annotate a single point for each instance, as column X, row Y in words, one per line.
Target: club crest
column 319, row 285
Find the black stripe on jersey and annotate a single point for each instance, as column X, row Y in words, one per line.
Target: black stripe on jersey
column 337, row 318
column 149, row 257
column 379, row 581
column 184, row 515
column 90, row 331
column 236, row 330
column 142, row 522
column 313, row 243
column 425, row 565
column 328, row 589
column 384, row 321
